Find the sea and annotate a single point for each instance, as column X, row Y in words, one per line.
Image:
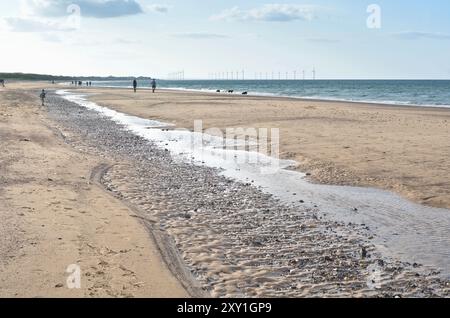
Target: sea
column 433, row 93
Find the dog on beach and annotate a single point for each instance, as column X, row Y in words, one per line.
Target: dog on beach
column 245, row 93
column 231, row 91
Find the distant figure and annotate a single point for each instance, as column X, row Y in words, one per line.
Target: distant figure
column 2, row 83
column 153, row 85
column 245, row 93
column 218, row 91
column 80, row 83
column 43, row 95
column 231, row 91
column 53, row 82
column 135, row 85
column 90, row 83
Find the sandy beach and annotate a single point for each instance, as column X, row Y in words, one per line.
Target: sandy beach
column 82, row 189
column 54, row 214
column 229, row 156
column 398, row 148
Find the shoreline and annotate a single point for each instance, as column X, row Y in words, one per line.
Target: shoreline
column 279, row 97
column 376, row 205
column 223, row 239
column 334, row 154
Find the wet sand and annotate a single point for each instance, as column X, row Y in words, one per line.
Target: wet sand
column 401, row 149
column 54, row 214
column 232, row 237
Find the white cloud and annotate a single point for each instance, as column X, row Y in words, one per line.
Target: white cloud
column 51, row 37
column 29, row 24
column 65, row 15
column 229, row 14
column 159, row 8
column 271, row 13
column 415, row 35
column 322, row 40
column 126, row 41
column 200, row 35
column 105, row 42
column 89, row 8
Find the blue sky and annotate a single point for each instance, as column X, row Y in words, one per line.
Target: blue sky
column 154, row 38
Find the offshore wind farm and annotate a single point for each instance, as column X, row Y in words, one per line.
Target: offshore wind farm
column 248, row 75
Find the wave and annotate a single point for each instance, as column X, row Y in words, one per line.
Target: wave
column 397, row 93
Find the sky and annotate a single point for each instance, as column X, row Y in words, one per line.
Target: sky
column 340, row 39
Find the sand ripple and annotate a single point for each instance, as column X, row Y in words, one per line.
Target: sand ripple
column 236, row 240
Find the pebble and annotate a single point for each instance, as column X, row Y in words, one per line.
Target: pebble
column 233, row 223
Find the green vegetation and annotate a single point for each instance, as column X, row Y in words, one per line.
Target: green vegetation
column 42, row 77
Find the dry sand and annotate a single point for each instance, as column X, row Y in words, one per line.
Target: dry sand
column 402, row 149
column 54, row 215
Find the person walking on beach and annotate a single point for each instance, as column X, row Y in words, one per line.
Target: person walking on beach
column 153, row 85
column 43, row 95
column 135, row 85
